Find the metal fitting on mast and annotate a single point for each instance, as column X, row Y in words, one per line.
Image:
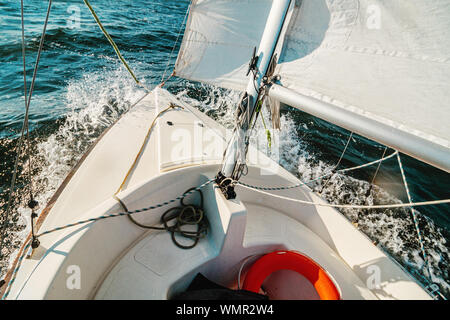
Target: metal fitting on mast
column 234, row 162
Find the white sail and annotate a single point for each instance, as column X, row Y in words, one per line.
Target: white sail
column 377, row 64
column 219, row 40
column 386, row 61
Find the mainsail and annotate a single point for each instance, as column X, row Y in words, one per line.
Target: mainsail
column 379, row 68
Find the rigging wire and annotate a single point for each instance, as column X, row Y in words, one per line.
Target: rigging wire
column 378, row 168
column 414, row 217
column 320, row 177
column 32, row 203
column 372, row 183
column 25, row 97
column 25, row 121
column 113, row 44
column 337, row 164
column 352, row 206
column 163, row 81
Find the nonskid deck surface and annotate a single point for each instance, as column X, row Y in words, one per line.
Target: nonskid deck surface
column 113, row 252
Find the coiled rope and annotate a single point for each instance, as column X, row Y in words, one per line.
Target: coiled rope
column 183, row 215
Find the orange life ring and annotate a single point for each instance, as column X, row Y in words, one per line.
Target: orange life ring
column 294, row 261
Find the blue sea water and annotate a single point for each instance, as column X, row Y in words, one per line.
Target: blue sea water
column 81, row 88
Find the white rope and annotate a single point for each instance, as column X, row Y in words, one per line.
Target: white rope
column 351, row 206
column 318, row 178
column 378, row 167
column 369, row 164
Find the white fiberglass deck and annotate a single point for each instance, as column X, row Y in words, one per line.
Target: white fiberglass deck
column 120, row 260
